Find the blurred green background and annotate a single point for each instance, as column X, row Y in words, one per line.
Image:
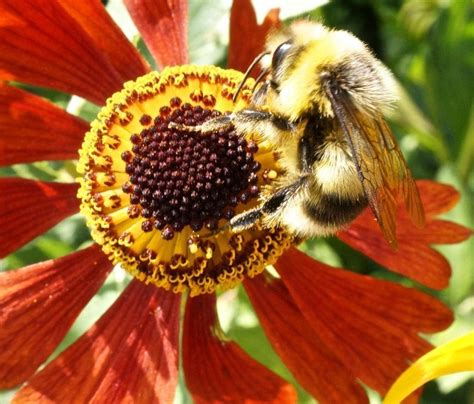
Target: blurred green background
column 429, row 45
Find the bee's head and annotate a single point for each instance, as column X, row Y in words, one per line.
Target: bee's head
column 306, row 54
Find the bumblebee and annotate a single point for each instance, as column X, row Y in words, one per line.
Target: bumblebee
column 320, row 101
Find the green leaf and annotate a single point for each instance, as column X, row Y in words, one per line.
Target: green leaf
column 208, row 31
column 450, row 71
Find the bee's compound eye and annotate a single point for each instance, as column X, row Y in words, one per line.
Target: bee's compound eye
column 280, row 52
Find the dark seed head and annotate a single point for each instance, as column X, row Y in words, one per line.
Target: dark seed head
column 185, row 178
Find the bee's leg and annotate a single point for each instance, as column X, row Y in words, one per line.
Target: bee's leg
column 210, row 126
column 274, row 128
column 249, row 218
column 245, row 121
column 308, row 145
column 245, row 220
column 306, row 155
column 254, row 117
column 271, row 206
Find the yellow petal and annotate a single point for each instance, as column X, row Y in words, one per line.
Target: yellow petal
column 454, row 356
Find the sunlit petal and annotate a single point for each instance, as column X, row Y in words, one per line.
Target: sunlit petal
column 42, row 44
column 38, row 305
column 33, row 129
column 108, row 37
column 130, row 355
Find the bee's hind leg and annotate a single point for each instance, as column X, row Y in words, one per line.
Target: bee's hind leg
column 271, row 206
column 249, row 218
column 245, row 220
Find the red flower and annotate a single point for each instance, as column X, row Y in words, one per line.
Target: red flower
column 332, row 328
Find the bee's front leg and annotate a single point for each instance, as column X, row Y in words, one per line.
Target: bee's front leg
column 210, row 126
column 246, row 121
column 272, row 127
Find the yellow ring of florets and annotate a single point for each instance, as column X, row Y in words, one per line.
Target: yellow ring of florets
column 221, row 261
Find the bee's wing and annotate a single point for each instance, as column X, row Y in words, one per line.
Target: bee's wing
column 380, row 164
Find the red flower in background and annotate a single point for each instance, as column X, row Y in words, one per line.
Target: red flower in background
column 332, row 328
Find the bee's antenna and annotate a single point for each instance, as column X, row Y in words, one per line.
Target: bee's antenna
column 262, row 74
column 247, row 73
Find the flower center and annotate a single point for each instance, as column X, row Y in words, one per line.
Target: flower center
column 148, row 188
column 184, row 178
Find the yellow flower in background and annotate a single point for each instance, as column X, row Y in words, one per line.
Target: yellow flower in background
column 451, row 357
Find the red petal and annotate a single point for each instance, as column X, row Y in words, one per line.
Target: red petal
column 163, row 25
column 443, row 232
column 43, row 45
column 32, row 129
column 108, row 37
column 414, row 257
column 247, row 38
column 218, row 370
column 29, row 208
column 38, row 305
column 371, row 325
column 437, row 198
column 130, row 355
column 303, row 352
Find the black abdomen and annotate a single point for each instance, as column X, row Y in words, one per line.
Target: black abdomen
column 334, row 210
